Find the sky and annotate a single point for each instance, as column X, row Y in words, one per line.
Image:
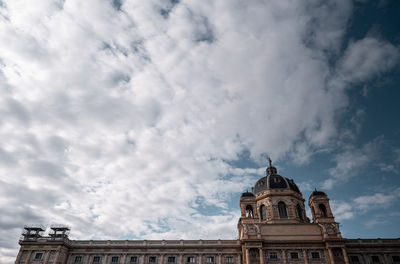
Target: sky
column 132, row 119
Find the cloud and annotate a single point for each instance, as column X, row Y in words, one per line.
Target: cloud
column 366, row 58
column 377, row 200
column 121, row 119
column 360, row 205
column 342, row 210
column 351, row 162
column 374, row 222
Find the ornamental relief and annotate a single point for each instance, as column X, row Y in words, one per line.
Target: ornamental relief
column 251, row 230
column 330, row 229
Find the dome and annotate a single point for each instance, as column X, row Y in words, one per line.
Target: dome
column 247, row 194
column 274, row 181
column 316, row 192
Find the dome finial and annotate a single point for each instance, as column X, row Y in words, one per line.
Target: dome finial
column 271, row 170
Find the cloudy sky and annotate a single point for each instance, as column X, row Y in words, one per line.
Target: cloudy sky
column 133, row 119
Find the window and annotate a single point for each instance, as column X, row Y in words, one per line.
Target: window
column 96, row 259
column 294, row 255
column 282, row 210
column 354, row 259
column 38, row 255
column 229, row 259
column 396, row 259
column 134, row 259
column 114, row 259
column 263, row 212
column 210, row 259
column 375, row 259
column 322, row 209
column 249, row 211
column 152, row 259
column 78, row 259
column 299, row 212
column 273, row 255
column 315, row 255
column 191, row 260
column 171, row 259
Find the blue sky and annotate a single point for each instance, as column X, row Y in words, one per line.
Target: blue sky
column 147, row 119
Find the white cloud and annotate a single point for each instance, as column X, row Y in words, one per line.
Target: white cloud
column 351, row 162
column 377, row 200
column 120, row 123
column 342, row 210
column 367, row 57
column 374, row 222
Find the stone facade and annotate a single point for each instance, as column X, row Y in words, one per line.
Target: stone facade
column 273, row 228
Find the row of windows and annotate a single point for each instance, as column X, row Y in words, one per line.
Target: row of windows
column 282, row 211
column 152, row 259
column 293, row 255
column 374, row 259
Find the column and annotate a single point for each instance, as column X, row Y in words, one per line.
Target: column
column 123, row 259
column 385, row 257
column 57, row 254
column 239, row 259
column 105, row 259
column 219, row 258
column 261, row 256
column 28, row 258
column 284, row 256
column 331, row 260
column 247, row 256
column 19, row 257
column 305, row 256
column 46, row 257
column 180, row 259
column 200, row 259
column 346, row 258
column 365, row 258
column 161, row 258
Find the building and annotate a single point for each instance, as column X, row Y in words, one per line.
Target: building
column 273, row 228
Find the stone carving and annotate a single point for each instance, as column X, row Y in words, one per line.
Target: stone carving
column 252, row 230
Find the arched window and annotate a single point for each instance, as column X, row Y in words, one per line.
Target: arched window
column 282, row 210
column 299, row 212
column 263, row 212
column 249, row 211
column 322, row 209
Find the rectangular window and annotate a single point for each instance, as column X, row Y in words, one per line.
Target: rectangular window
column 133, row 259
column 229, row 259
column 38, row 255
column 78, row 259
column 273, row 255
column 152, row 259
column 375, row 259
column 294, row 255
column 171, row 259
column 114, row 259
column 191, row 259
column 315, row 255
column 96, row 259
column 354, row 259
column 210, row 259
column 396, row 259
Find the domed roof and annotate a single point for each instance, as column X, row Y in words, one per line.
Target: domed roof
column 316, row 192
column 247, row 194
column 274, row 181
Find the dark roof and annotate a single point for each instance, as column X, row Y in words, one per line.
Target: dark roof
column 317, row 193
column 247, row 194
column 275, row 181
